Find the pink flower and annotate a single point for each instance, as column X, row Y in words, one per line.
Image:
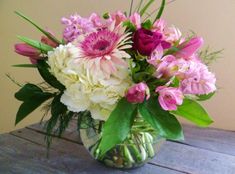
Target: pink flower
column 76, row 25
column 48, row 41
column 188, row 48
column 138, row 93
column 159, row 25
column 28, row 51
column 170, row 34
column 169, row 97
column 198, row 80
column 136, row 20
column 118, row 17
column 145, row 41
column 103, row 52
column 170, row 66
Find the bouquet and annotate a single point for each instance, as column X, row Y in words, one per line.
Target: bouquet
column 123, row 78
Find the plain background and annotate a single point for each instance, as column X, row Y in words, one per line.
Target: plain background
column 212, row 19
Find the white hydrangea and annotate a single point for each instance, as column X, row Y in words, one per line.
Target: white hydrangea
column 58, row 60
column 87, row 88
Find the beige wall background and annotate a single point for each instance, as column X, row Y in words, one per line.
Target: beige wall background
column 212, row 19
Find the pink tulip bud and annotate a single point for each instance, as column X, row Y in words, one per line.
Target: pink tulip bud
column 28, row 51
column 188, row 48
column 169, row 97
column 137, row 93
column 48, row 41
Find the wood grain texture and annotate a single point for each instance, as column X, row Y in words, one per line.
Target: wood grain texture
column 206, row 138
column 73, row 158
column 204, row 151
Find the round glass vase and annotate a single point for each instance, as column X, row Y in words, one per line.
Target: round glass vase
column 141, row 145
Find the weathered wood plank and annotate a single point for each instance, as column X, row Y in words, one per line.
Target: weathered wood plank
column 77, row 160
column 206, row 138
column 195, row 160
column 210, row 139
column 191, row 160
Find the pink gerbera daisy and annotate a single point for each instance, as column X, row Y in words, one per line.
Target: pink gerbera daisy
column 103, row 52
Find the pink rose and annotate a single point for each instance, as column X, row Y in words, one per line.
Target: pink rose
column 145, row 41
column 169, row 97
column 28, row 51
column 137, row 93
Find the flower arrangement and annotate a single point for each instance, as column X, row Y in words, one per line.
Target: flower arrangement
column 123, row 78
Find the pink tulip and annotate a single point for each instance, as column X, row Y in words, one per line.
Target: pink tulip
column 169, row 97
column 138, row 93
column 188, row 48
column 28, row 51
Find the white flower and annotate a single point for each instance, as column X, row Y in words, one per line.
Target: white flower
column 87, row 86
column 58, row 60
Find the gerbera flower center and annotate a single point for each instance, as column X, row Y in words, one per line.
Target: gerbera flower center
column 99, row 44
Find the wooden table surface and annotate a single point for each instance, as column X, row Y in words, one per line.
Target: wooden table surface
column 204, row 151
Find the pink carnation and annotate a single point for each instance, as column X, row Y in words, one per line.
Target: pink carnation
column 198, row 80
column 169, row 97
column 138, row 93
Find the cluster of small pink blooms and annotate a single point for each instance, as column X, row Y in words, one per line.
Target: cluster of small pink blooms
column 138, row 93
column 75, row 26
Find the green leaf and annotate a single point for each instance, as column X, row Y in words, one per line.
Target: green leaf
column 171, row 50
column 43, row 69
column 160, row 10
column 106, row 15
column 164, row 122
column 49, row 35
column 32, row 97
column 175, row 82
column 144, row 9
column 38, row 45
column 27, row 92
column 129, row 25
column 147, row 24
column 118, row 125
column 194, row 112
column 25, row 66
column 205, row 97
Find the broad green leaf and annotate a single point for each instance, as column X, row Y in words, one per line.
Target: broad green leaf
column 147, row 24
column 194, row 112
column 118, row 125
column 160, row 10
column 49, row 35
column 43, row 69
column 27, row 92
column 31, row 104
column 205, row 97
column 36, row 44
column 145, row 8
column 25, row 66
column 164, row 122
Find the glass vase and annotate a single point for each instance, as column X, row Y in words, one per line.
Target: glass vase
column 141, row 145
